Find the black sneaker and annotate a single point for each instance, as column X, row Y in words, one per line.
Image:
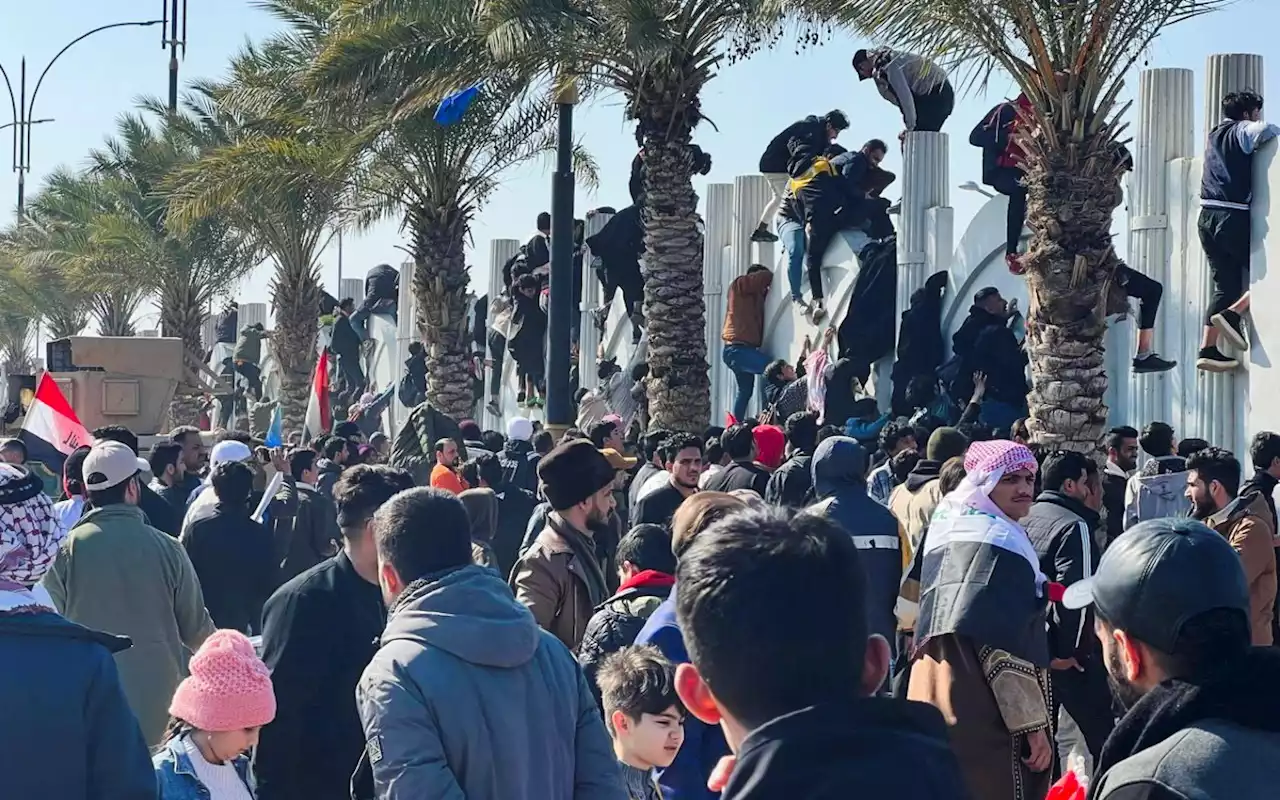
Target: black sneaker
column 1152, row 363
column 763, row 234
column 1211, row 359
column 1231, row 327
column 520, row 398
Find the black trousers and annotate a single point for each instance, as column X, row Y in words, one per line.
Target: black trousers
column 1007, row 181
column 823, row 227
column 1224, row 235
column 1087, row 698
column 497, row 354
column 932, row 109
column 1147, row 291
column 252, row 375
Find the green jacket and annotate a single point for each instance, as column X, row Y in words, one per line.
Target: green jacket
column 249, row 346
column 117, row 574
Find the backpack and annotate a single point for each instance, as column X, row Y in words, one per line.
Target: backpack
column 1155, row 497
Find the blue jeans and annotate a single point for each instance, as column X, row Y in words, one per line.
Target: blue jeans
column 746, row 362
column 792, row 236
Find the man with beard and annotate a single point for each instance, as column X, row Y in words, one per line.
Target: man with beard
column 1245, row 521
column 560, row 578
column 1172, row 610
column 685, row 467
column 1122, row 460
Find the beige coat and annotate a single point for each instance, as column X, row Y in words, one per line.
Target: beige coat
column 1246, row 525
column 554, row 583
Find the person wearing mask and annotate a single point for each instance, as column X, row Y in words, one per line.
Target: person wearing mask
column 684, row 467
column 897, row 437
column 1122, row 460
column 117, row 573
column 791, row 484
column 459, row 655
column 917, row 86
column 802, row 714
column 168, row 475
column 233, row 555
column 560, row 578
column 518, row 458
column 743, row 472
column 158, row 513
column 840, row 485
column 1226, row 192
column 62, row 679
column 704, row 743
column 816, row 131
column 1063, row 527
column 193, row 456
column 980, row 643
column 312, row 535
column 1245, row 521
column 743, row 333
column 984, row 343
column 444, row 474
column 70, row 511
column 1201, row 709
column 319, row 632
column 646, row 569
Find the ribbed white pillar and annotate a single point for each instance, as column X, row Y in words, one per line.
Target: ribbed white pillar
column 751, row 193
column 1219, row 395
column 924, row 182
column 406, row 333
column 1166, row 130
column 499, row 251
column 588, row 333
column 252, row 314
column 353, row 288
column 718, row 215
column 208, row 330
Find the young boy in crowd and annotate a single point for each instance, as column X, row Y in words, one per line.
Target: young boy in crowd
column 643, row 714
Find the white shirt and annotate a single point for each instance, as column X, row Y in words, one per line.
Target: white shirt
column 222, row 780
column 69, row 512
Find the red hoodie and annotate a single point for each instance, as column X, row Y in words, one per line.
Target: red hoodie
column 648, row 579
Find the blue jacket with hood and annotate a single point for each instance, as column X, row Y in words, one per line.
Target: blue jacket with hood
column 840, row 484
column 469, row 698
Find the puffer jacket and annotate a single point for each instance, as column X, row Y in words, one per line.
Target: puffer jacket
column 840, row 483
column 619, row 620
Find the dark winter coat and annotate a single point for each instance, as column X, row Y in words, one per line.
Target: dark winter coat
column 382, row 283
column 329, row 471
column 344, row 343
column 618, row 620
column 811, row 130
column 840, row 484
column 984, row 343
column 1113, row 486
column 869, row 747
column 160, row 513
column 319, row 632
column 866, row 333
column 227, row 327
column 792, row 483
column 1064, row 533
column 515, row 507
column 520, row 464
column 738, row 475
column 414, row 447
column 69, row 733
column 311, row 535
column 619, row 245
column 235, row 559
column 920, row 345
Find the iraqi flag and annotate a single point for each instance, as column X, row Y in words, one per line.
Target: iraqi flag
column 319, row 413
column 51, row 430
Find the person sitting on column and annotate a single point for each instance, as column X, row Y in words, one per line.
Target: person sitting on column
column 248, row 355
column 1226, row 190
column 381, row 296
column 816, row 131
column 345, row 346
column 825, row 205
column 913, row 83
column 528, row 345
column 743, row 332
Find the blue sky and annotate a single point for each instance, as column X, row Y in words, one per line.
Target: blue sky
column 749, row 102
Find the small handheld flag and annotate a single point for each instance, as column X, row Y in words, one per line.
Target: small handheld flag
column 275, row 431
column 319, row 414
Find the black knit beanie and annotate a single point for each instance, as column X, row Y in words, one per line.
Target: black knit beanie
column 573, row 472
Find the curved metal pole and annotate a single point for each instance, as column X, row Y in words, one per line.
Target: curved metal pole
column 31, row 106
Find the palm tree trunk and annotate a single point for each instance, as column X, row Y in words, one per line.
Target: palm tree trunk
column 440, row 300
column 1071, row 267
column 182, row 316
column 678, row 385
column 295, row 292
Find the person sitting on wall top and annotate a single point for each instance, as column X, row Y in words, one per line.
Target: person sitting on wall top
column 817, row 132
column 916, row 85
column 381, row 296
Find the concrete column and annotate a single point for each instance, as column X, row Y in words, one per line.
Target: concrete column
column 719, row 215
column 924, row 186
column 406, row 333
column 499, row 251
column 353, row 288
column 208, row 330
column 1220, row 395
column 588, row 333
column 253, row 313
column 751, row 193
column 1165, row 131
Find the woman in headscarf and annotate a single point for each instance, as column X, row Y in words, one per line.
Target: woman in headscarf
column 482, row 510
column 981, row 652
column 62, row 680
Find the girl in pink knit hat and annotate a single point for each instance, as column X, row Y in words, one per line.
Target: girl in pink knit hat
column 216, row 714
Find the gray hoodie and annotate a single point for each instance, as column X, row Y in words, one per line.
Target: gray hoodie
column 469, row 698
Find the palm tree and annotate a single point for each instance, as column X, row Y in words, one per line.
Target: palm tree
column 436, row 177
column 1070, row 59
column 280, row 176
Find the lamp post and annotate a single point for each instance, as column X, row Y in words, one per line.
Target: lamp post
column 23, row 110
column 560, row 304
column 970, row 186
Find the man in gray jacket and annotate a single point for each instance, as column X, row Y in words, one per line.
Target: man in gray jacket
column 1203, row 707
column 468, row 697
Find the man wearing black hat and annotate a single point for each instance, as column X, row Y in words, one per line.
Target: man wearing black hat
column 1203, row 706
column 559, row 578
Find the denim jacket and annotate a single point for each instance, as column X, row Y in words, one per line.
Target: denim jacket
column 176, row 777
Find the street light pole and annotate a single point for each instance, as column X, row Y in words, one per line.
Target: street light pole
column 560, row 304
column 23, row 110
column 170, row 17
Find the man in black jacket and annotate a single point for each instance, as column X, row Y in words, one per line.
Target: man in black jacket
column 742, row 473
column 515, row 507
column 345, row 345
column 320, row 630
column 160, row 515
column 984, row 343
column 1122, row 460
column 1063, row 526
column 792, row 483
column 817, row 133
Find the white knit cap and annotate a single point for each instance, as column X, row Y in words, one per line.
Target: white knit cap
column 520, row 429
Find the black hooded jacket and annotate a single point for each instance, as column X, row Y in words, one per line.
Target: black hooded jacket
column 871, row 747
column 985, row 344
column 811, row 130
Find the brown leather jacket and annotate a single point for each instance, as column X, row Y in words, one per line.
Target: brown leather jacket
column 559, row 583
column 744, row 320
column 1246, row 524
